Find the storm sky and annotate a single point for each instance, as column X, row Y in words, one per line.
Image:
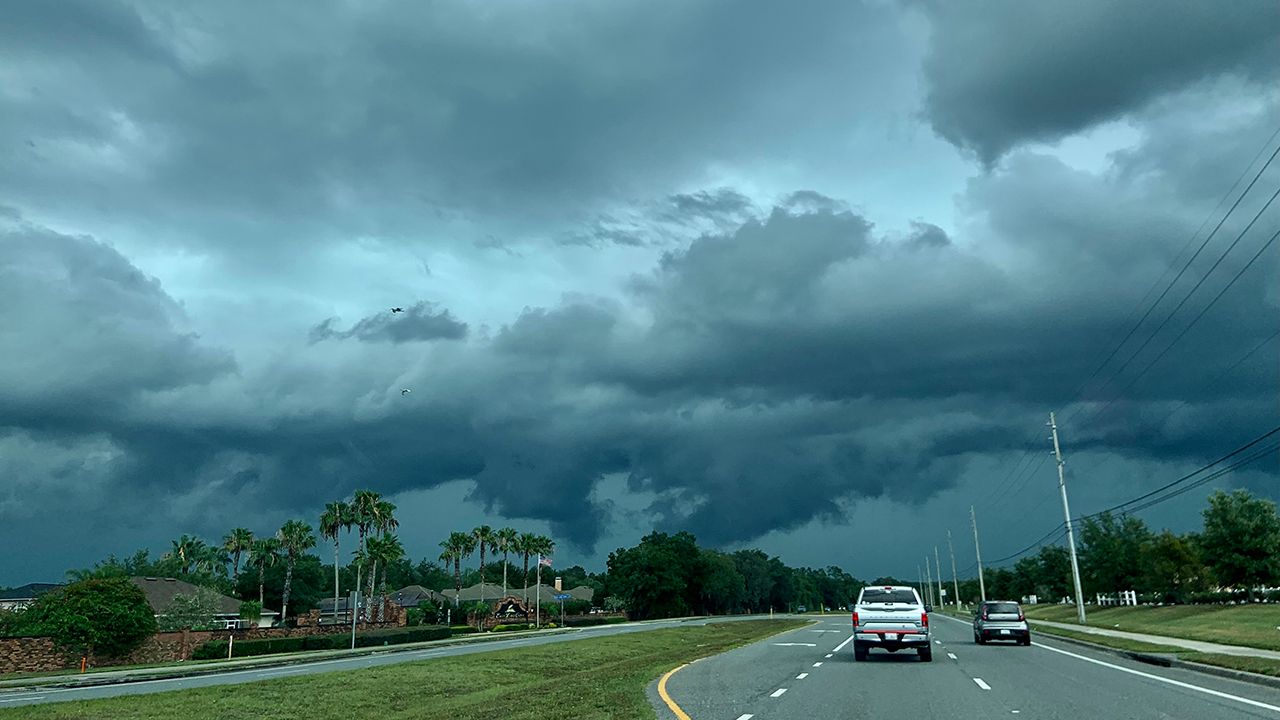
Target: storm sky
column 808, row 277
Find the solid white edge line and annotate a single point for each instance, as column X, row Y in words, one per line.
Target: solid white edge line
column 778, row 692
column 33, row 697
column 982, row 684
column 841, row 645
column 1169, row 681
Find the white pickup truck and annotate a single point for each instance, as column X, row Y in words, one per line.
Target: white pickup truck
column 892, row 618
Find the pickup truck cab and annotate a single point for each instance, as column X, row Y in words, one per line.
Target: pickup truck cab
column 893, row 618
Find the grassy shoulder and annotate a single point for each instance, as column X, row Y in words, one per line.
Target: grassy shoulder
column 597, row 678
column 1255, row 625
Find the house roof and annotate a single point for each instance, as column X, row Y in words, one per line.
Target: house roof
column 413, row 595
column 160, row 593
column 30, row 591
column 494, row 592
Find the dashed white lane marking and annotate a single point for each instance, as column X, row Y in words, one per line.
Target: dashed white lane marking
column 818, row 664
column 802, row 676
column 982, row 684
column 828, row 655
column 27, row 697
column 748, row 716
column 841, row 645
column 778, row 692
column 1158, row 678
column 951, row 655
column 937, row 642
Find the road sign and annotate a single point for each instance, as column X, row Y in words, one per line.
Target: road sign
column 563, row 596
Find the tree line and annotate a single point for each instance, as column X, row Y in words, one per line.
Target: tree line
column 1235, row 554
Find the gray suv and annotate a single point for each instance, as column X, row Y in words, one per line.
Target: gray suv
column 1000, row 620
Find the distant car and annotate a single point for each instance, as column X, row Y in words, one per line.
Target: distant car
column 802, row 608
column 1000, row 620
column 892, row 618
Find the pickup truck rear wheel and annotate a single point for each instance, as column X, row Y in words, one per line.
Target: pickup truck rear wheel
column 859, row 653
column 926, row 654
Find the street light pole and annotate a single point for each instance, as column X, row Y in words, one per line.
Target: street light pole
column 1066, row 512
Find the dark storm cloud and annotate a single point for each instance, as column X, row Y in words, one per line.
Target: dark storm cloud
column 1003, row 71
column 416, row 323
column 402, row 109
column 925, row 234
column 83, row 328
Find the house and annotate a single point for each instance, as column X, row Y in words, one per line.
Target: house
column 493, row 593
column 160, row 593
column 21, row 598
column 415, row 595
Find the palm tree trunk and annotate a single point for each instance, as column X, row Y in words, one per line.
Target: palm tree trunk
column 288, row 585
column 526, row 579
column 382, row 596
column 457, row 580
column 336, row 555
column 504, row 573
column 262, row 581
column 373, row 577
column 235, row 567
column 481, row 572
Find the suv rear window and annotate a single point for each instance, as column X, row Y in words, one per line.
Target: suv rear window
column 1011, row 608
column 877, row 595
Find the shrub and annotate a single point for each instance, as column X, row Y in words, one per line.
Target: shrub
column 511, row 628
column 337, row 641
column 104, row 616
column 250, row 610
column 463, row 629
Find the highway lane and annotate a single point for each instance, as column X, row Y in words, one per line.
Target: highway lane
column 16, row 698
column 802, row 676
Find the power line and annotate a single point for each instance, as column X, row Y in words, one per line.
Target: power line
column 1186, row 266
column 1186, row 297
column 1212, row 476
column 1191, row 324
column 1060, row 531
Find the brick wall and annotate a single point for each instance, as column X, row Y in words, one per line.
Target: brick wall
column 40, row 654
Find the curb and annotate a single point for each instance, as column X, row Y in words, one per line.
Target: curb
column 1173, row 661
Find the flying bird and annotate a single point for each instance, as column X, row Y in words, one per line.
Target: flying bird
column 405, row 391
column 396, row 310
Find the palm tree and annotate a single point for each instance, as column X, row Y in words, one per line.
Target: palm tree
column 457, row 548
column 364, row 507
column 506, row 539
column 211, row 559
column 263, row 552
column 335, row 518
column 386, row 549
column 188, row 550
column 295, row 538
column 238, row 541
column 484, row 540
column 526, row 545
column 383, row 521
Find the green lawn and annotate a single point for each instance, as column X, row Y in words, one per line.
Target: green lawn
column 601, row 678
column 1111, row 642
column 1262, row 666
column 1248, row 625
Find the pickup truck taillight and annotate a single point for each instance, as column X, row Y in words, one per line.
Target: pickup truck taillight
column 924, row 619
column 855, row 618
column 1021, row 616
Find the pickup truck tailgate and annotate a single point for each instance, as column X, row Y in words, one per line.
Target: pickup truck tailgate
column 906, row 619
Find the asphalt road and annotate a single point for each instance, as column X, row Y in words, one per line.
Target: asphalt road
column 389, row 657
column 809, row 674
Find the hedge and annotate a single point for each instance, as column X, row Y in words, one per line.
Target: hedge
column 463, row 629
column 215, row 649
column 511, row 628
column 593, row 621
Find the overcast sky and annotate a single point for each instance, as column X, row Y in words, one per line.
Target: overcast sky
column 806, row 276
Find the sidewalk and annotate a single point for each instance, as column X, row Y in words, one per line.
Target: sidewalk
column 1196, row 645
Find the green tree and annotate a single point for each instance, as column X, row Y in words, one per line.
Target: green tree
column 251, row 610
column 658, row 577
column 236, row 542
column 107, row 617
column 456, row 548
column 263, row 554
column 723, row 589
column 1174, row 567
column 753, row 565
column 190, row 612
column 364, row 508
column 385, row 550
column 384, row 521
column 337, row 517
column 1241, row 540
column 525, row 545
column 1111, row 552
column 484, row 540
column 295, row 538
column 505, row 543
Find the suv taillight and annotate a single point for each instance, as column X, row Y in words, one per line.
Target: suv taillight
column 924, row 619
column 855, row 618
column 984, row 613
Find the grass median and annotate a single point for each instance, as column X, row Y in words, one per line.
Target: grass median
column 1256, row 625
column 601, row 678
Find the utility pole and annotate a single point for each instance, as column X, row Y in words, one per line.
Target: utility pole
column 1066, row 512
column 928, row 576
column 924, row 594
column 938, row 566
column 977, row 549
column 955, row 581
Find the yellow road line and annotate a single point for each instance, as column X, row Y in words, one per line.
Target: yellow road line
column 662, row 693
